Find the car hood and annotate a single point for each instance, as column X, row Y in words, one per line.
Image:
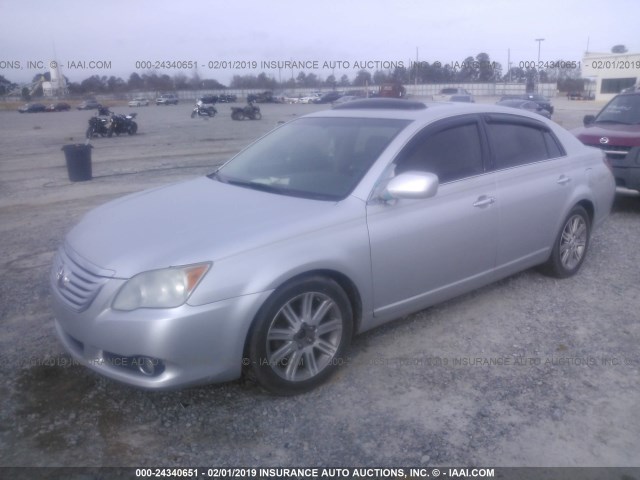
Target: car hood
column 195, row 221
column 618, row 134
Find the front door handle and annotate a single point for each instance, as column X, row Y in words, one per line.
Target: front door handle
column 563, row 180
column 483, row 201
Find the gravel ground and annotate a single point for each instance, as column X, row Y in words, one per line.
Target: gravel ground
column 529, row 371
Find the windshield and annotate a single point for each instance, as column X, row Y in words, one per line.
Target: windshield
column 623, row 109
column 321, row 158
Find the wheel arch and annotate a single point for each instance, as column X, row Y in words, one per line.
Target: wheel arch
column 589, row 207
column 347, row 285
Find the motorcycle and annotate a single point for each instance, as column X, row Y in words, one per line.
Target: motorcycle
column 98, row 126
column 250, row 111
column 122, row 124
column 206, row 111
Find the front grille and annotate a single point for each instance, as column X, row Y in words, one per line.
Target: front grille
column 77, row 280
column 614, row 152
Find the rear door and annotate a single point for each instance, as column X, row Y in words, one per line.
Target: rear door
column 534, row 181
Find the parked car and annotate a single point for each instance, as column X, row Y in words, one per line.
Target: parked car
column 329, row 97
column 342, row 220
column 462, row 98
column 262, row 97
column 139, row 102
column 616, row 131
column 32, row 108
column 227, row 98
column 392, row 90
column 446, row 94
column 309, row 98
column 167, row 99
column 345, row 99
column 527, row 105
column 58, row 107
column 542, row 101
column 89, row 105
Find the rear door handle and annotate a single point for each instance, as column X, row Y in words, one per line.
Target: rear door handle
column 483, row 201
column 563, row 180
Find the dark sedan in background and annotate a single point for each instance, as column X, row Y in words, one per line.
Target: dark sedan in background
column 527, row 105
column 58, row 107
column 32, row 108
column 540, row 100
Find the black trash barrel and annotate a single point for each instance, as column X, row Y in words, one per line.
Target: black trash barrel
column 78, row 161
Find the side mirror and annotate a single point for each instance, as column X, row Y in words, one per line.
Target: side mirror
column 588, row 120
column 413, row 185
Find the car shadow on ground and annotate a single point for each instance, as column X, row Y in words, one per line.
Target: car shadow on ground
column 626, row 201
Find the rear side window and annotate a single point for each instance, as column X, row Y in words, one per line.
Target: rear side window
column 451, row 153
column 515, row 144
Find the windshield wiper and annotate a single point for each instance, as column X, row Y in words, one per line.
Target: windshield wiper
column 265, row 187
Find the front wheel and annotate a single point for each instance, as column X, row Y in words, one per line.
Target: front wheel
column 90, row 132
column 570, row 248
column 193, row 114
column 257, row 116
column 133, row 128
column 300, row 335
column 237, row 116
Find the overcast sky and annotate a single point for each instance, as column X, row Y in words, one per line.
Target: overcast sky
column 120, row 32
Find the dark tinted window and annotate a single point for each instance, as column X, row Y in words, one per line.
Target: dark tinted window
column 452, row 153
column 516, row 144
column 553, row 147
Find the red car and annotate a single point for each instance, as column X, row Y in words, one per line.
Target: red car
column 616, row 130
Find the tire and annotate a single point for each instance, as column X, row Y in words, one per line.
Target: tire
column 300, row 335
column 133, row 128
column 193, row 114
column 237, row 116
column 89, row 133
column 110, row 132
column 571, row 245
column 257, row 116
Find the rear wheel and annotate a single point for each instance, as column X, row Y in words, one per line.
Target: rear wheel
column 300, row 335
column 571, row 245
column 257, row 116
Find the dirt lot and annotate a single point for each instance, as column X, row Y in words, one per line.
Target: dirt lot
column 526, row 372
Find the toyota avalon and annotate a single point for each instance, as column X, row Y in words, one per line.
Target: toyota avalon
column 328, row 226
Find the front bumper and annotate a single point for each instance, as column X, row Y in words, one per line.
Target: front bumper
column 188, row 345
column 626, row 168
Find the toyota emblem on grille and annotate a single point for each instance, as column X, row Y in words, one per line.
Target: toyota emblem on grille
column 61, row 278
column 604, row 140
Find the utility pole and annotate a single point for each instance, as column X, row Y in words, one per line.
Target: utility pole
column 539, row 40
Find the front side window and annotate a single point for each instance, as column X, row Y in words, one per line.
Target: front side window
column 317, row 157
column 451, row 153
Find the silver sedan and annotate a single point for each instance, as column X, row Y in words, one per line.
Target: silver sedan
column 328, row 226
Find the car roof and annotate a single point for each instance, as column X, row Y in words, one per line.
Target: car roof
column 433, row 110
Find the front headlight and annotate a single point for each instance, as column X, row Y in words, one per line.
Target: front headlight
column 167, row 288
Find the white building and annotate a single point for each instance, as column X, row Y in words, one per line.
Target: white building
column 57, row 87
column 611, row 72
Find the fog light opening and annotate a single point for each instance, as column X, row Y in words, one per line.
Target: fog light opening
column 147, row 366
